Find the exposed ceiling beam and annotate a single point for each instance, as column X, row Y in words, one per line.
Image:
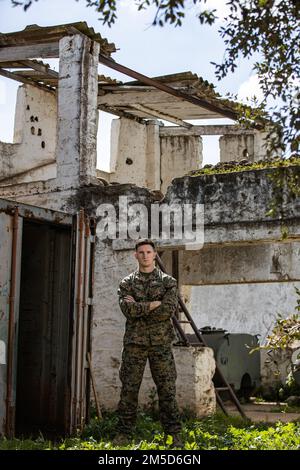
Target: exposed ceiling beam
column 17, row 53
column 27, row 81
column 159, row 114
column 40, row 68
column 161, row 86
column 220, row 129
column 117, row 112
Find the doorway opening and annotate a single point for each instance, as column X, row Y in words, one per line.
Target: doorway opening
column 44, row 333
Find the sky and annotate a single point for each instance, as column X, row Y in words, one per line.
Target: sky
column 150, row 50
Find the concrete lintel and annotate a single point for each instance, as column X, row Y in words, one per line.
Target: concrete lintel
column 226, row 129
column 235, row 234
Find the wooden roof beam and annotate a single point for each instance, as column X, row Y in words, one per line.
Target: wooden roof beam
column 19, row 53
column 45, row 69
column 229, row 113
column 161, row 115
column 27, row 81
column 117, row 112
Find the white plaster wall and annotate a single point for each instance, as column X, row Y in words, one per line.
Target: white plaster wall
column 130, row 145
column 153, row 156
column 234, row 147
column 256, row 262
column 34, row 135
column 77, row 110
column 243, row 308
column 179, row 155
column 152, row 160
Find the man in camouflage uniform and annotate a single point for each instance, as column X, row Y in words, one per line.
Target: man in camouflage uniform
column 148, row 298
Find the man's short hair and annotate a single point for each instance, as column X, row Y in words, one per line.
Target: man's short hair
column 145, row 241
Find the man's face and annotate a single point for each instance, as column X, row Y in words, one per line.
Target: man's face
column 145, row 255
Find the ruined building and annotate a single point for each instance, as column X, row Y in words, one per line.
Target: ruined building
column 58, row 279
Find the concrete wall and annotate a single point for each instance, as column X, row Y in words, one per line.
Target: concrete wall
column 243, row 308
column 129, row 152
column 29, row 174
column 179, row 155
column 34, row 144
column 242, row 146
column 140, row 155
column 77, row 111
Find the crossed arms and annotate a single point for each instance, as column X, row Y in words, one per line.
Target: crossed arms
column 160, row 309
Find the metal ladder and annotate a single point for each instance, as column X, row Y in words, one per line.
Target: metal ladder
column 218, row 377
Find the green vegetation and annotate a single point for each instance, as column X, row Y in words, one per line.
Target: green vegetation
column 233, row 167
column 214, row 433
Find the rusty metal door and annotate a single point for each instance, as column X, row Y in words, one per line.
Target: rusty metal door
column 10, row 256
column 82, row 289
column 13, row 219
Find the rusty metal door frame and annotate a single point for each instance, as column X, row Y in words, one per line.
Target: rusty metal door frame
column 12, row 322
column 82, row 302
column 17, row 213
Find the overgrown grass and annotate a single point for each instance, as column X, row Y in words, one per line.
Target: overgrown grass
column 214, row 433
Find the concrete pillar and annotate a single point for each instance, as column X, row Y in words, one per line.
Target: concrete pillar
column 128, row 153
column 179, row 155
column 237, row 147
column 77, row 110
column 194, row 387
column 34, row 135
column 153, row 177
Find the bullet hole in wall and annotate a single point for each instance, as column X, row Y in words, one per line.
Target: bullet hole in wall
column 39, row 131
column 32, row 130
column 43, row 145
column 129, row 161
column 28, row 107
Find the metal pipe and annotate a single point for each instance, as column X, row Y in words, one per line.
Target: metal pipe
column 80, row 234
column 84, row 314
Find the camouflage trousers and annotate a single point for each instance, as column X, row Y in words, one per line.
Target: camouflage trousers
column 162, row 365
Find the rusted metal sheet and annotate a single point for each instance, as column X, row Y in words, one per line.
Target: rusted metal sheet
column 82, row 319
column 34, row 34
column 5, row 256
column 37, row 213
column 10, row 401
column 46, row 328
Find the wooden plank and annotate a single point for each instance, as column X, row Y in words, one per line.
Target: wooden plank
column 27, row 81
column 159, row 114
column 17, row 53
column 159, row 100
column 177, row 113
column 11, row 65
column 31, row 74
column 196, row 100
column 148, row 97
column 120, row 113
column 40, row 68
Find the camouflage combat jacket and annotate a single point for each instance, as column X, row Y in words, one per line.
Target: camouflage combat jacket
column 144, row 326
